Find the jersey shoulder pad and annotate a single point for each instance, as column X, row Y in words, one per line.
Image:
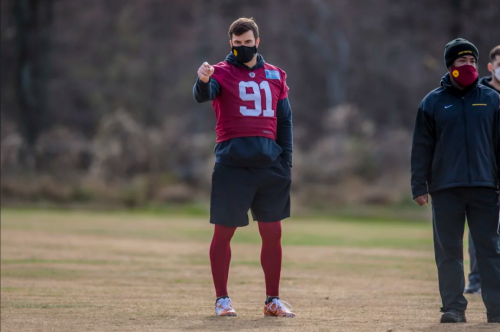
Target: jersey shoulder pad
column 220, row 70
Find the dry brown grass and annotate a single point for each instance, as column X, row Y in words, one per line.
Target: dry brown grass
column 113, row 272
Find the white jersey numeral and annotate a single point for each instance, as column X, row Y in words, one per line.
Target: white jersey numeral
column 256, row 98
column 269, row 98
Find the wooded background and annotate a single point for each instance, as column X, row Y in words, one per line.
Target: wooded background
column 97, row 106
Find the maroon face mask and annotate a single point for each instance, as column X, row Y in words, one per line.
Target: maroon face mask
column 464, row 75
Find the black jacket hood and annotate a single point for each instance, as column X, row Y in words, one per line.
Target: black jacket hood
column 231, row 58
column 486, row 82
column 446, row 83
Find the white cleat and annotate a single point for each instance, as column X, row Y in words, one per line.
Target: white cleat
column 224, row 307
column 278, row 308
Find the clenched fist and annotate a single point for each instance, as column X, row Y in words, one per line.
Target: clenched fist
column 422, row 200
column 205, row 71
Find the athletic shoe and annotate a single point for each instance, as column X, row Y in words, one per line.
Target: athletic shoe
column 278, row 308
column 224, row 307
column 473, row 288
column 453, row 316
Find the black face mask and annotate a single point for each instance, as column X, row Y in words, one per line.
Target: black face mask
column 244, row 54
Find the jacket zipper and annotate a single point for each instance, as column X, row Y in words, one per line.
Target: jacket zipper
column 466, row 142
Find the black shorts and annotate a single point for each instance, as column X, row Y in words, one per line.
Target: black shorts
column 265, row 191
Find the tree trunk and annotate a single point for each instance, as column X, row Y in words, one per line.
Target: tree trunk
column 33, row 19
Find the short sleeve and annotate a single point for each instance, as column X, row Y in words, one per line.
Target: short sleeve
column 284, row 87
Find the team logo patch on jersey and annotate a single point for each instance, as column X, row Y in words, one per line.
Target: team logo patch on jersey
column 252, row 74
column 272, row 74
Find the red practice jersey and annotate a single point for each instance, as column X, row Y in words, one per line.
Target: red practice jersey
column 246, row 103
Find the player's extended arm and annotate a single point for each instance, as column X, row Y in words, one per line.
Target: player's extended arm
column 285, row 129
column 203, row 92
column 422, row 152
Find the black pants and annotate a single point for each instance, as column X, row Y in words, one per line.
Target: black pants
column 474, row 270
column 450, row 207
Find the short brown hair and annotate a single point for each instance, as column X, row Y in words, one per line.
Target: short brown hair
column 242, row 25
column 494, row 53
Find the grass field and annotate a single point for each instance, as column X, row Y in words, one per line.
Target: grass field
column 78, row 271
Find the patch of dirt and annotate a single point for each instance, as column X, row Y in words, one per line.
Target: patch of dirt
column 83, row 282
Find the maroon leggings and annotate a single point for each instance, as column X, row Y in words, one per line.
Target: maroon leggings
column 270, row 257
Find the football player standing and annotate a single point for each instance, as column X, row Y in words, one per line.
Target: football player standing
column 253, row 158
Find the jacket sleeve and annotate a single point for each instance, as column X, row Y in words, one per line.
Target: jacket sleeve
column 203, row 92
column 422, row 152
column 285, row 129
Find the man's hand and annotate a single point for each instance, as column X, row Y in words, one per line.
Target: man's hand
column 422, row 200
column 205, row 71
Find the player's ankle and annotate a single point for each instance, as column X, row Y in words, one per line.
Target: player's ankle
column 271, row 298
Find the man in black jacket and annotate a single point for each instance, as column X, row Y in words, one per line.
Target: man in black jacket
column 456, row 157
column 492, row 82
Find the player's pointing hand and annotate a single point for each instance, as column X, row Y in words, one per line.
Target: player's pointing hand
column 205, row 71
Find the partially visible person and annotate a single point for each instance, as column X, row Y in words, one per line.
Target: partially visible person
column 492, row 82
